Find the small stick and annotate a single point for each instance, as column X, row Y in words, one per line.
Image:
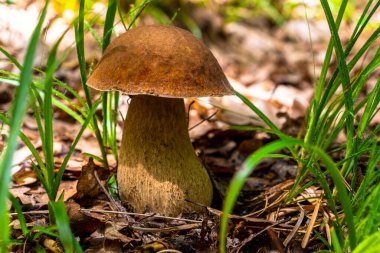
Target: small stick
column 252, row 236
column 295, row 229
column 203, row 120
column 32, row 212
column 326, row 219
column 112, row 201
column 169, row 250
column 139, row 215
column 309, row 229
column 167, row 229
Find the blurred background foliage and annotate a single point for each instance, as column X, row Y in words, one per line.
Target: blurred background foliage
column 274, row 11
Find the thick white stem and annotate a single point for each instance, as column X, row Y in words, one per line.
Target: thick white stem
column 158, row 168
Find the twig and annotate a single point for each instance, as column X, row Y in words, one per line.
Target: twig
column 169, row 250
column 203, row 120
column 114, row 205
column 167, row 229
column 309, row 229
column 188, row 112
column 326, row 219
column 139, row 215
column 296, row 227
column 252, row 236
column 32, row 212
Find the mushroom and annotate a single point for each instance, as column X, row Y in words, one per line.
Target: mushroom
column 158, row 66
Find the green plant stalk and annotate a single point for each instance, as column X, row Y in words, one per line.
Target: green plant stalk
column 115, row 116
column 108, row 24
column 48, row 117
column 335, row 242
column 107, row 96
column 11, row 58
column 105, row 112
column 364, row 18
column 346, row 86
column 371, row 244
column 322, row 79
column 319, row 102
column 13, row 79
column 111, row 121
column 43, row 175
column 79, row 38
column 21, row 218
column 369, row 111
column 55, row 102
column 69, row 242
column 334, row 82
column 137, row 11
column 18, row 112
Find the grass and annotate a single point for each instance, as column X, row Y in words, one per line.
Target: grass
column 17, row 115
column 337, row 106
column 331, row 112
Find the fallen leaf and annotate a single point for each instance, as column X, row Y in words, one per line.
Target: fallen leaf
column 25, row 176
column 87, row 184
column 81, row 224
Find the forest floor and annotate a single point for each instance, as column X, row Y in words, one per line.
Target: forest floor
column 276, row 67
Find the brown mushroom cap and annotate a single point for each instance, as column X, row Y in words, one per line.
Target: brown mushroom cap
column 160, row 61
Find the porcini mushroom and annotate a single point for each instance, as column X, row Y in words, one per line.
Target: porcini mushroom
column 158, row 66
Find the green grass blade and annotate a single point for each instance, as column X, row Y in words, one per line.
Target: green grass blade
column 11, row 58
column 95, row 157
column 32, row 149
column 135, row 12
column 20, row 216
column 67, row 88
column 373, row 101
column 81, row 109
column 70, row 112
column 37, row 115
column 341, row 63
column 18, row 112
column 62, row 221
column 369, row 245
column 107, row 96
column 93, row 33
column 317, row 106
column 115, row 112
column 108, row 23
column 262, row 116
column 79, row 40
column 48, row 115
column 335, row 242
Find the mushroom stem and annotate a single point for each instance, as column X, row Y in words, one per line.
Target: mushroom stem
column 158, row 168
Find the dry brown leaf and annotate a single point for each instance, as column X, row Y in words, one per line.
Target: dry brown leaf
column 112, row 233
column 68, row 188
column 25, row 176
column 87, row 185
column 81, row 223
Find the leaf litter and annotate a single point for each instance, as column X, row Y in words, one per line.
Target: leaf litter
column 274, row 68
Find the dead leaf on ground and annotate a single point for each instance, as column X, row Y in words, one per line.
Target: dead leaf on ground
column 88, row 186
column 25, row 176
column 81, row 223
